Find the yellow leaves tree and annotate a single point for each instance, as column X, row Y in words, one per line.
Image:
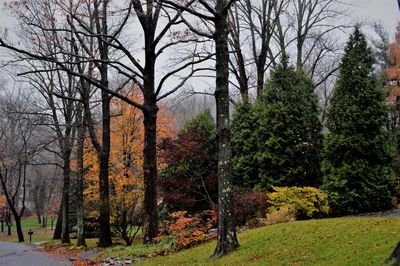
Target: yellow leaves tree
column 3, row 201
column 392, row 82
column 126, row 173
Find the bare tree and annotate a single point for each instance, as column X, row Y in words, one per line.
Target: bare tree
column 80, row 176
column 218, row 16
column 89, row 20
column 56, row 88
column 19, row 142
column 253, row 28
column 42, row 189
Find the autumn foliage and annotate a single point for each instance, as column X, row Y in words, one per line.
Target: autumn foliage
column 393, row 71
column 190, row 230
column 126, row 174
column 189, row 179
column 3, row 207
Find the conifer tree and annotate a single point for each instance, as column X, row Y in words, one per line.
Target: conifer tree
column 357, row 151
column 244, row 145
column 289, row 131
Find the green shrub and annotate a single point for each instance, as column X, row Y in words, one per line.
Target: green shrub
column 306, row 202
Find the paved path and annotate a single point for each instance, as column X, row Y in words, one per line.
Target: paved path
column 13, row 254
column 390, row 214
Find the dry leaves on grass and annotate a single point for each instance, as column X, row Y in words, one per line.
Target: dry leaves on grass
column 70, row 254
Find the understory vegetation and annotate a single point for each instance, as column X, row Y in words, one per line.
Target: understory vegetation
column 340, row 241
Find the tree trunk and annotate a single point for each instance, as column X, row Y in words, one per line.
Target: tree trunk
column 150, row 216
column 150, row 219
column 104, row 159
column 80, row 186
column 394, row 258
column 19, row 228
column 65, row 204
column 57, row 230
column 227, row 240
column 9, row 229
column 242, row 75
column 260, row 79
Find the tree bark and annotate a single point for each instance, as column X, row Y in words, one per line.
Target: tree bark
column 227, row 240
column 104, row 158
column 57, row 230
column 19, row 228
column 150, row 219
column 260, row 78
column 394, row 258
column 80, row 185
column 65, row 197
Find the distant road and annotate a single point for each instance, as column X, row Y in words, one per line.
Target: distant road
column 13, row 254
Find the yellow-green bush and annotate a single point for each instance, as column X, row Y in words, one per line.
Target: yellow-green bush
column 282, row 215
column 306, row 202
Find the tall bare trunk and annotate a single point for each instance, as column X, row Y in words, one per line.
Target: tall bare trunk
column 57, row 230
column 227, row 240
column 104, row 158
column 65, row 197
column 394, row 258
column 19, row 228
column 80, row 185
column 150, row 220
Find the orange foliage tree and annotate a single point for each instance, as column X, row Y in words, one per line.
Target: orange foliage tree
column 126, row 171
column 392, row 82
column 3, row 201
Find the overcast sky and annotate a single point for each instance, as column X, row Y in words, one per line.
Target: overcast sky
column 385, row 11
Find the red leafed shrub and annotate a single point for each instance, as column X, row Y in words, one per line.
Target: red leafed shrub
column 188, row 230
column 249, row 204
column 188, row 179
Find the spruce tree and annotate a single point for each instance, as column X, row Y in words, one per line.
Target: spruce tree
column 289, row 130
column 244, row 145
column 357, row 151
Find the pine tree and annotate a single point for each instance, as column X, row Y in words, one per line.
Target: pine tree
column 244, row 145
column 289, row 131
column 357, row 152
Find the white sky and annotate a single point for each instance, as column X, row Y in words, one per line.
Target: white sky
column 385, row 11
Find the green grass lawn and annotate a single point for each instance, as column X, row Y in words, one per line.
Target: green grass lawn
column 344, row 241
column 39, row 233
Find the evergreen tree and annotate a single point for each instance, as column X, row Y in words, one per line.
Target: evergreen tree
column 244, row 145
column 357, row 151
column 289, row 131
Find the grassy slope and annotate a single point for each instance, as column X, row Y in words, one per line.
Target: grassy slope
column 345, row 241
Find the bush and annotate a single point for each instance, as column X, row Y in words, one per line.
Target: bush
column 127, row 212
column 282, row 215
column 188, row 230
column 306, row 202
column 248, row 205
column 188, row 180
